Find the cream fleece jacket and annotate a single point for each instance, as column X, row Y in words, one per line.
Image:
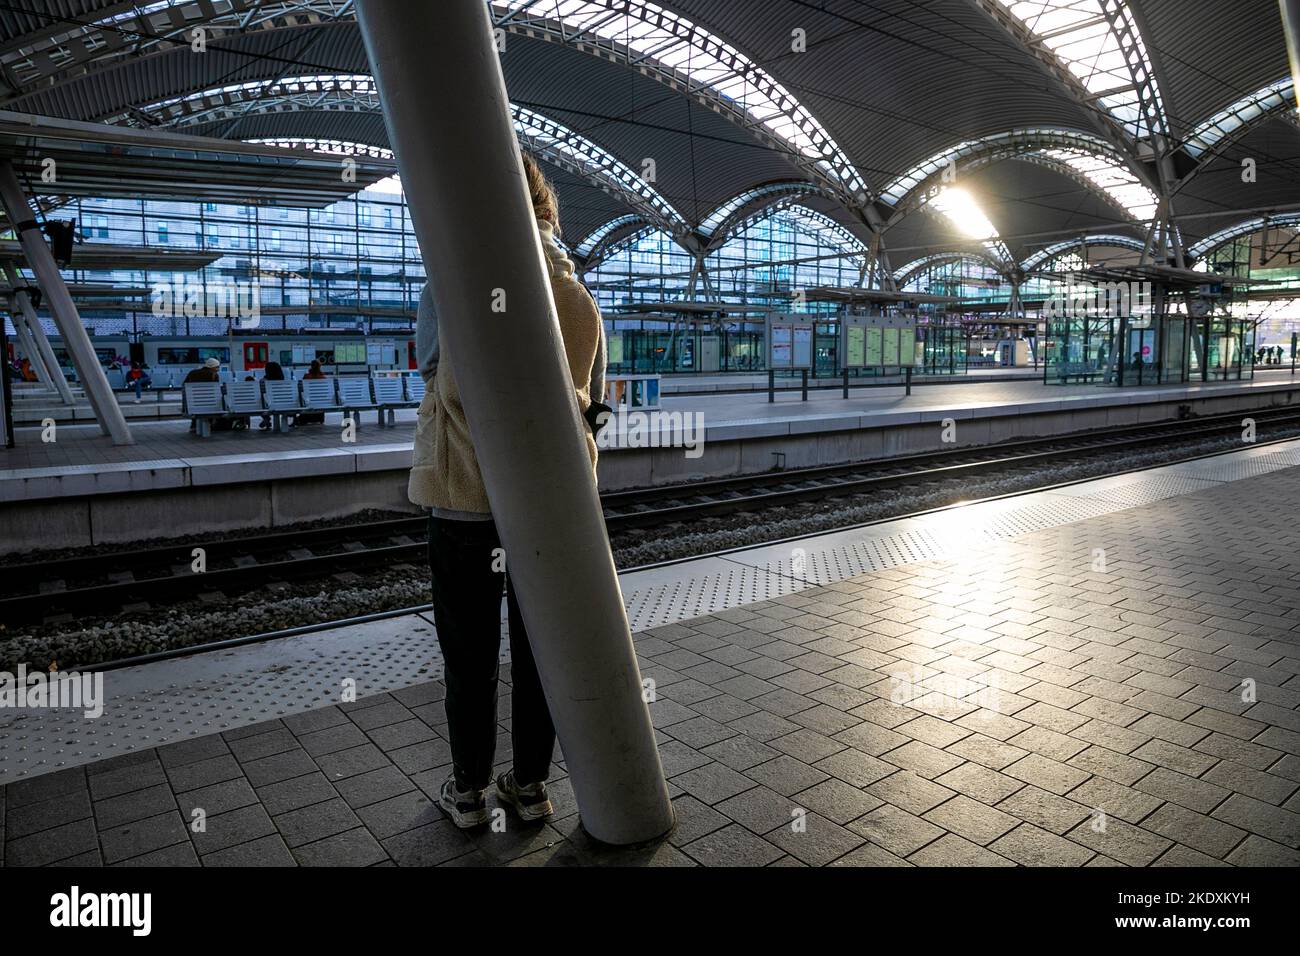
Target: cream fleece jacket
column 444, row 472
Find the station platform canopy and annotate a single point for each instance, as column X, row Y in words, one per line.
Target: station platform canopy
column 689, row 307
column 106, row 256
column 96, row 159
column 690, row 311
column 1168, row 277
column 855, row 295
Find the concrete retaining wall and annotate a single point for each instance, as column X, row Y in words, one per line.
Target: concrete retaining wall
column 128, row 508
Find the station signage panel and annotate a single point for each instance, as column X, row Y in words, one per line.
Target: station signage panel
column 877, row 341
column 790, row 341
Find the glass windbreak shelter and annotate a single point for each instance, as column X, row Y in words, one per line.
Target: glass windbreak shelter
column 1144, row 325
column 944, row 350
column 679, row 337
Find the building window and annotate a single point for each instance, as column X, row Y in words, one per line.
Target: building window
column 162, row 233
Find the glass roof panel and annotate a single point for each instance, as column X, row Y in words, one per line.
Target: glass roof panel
column 1080, row 35
column 643, row 27
column 1275, row 97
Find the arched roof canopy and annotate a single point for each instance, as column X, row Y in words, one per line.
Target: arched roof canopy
column 649, row 38
column 1212, row 136
column 1045, row 255
column 540, row 134
column 1096, row 51
column 1083, row 157
column 1246, row 227
column 337, row 147
column 908, row 271
column 804, row 219
column 723, row 220
column 593, row 245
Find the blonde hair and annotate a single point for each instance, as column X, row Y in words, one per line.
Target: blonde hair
column 546, row 207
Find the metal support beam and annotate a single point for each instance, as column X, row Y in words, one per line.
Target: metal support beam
column 1291, row 25
column 6, row 397
column 28, row 347
column 63, row 309
column 474, row 220
column 42, row 355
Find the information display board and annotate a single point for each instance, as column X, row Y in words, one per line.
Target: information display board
column 349, row 353
column 890, row 356
column 856, row 346
column 874, row 354
column 878, row 341
column 803, row 336
column 789, row 342
column 782, row 353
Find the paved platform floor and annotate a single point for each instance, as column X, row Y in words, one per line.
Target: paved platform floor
column 1122, row 690
column 169, row 442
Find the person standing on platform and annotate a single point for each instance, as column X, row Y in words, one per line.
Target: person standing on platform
column 468, row 566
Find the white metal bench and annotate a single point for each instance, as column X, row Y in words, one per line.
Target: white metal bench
column 244, row 399
column 354, row 397
column 281, row 401
column 389, row 397
column 202, row 402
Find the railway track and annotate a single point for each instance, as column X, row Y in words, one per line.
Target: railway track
column 130, row 579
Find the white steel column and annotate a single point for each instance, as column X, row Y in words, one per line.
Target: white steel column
column 28, row 324
column 62, row 308
column 28, row 347
column 445, row 105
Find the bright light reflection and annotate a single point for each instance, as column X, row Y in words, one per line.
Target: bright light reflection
column 964, row 213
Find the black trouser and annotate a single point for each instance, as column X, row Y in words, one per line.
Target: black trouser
column 467, row 610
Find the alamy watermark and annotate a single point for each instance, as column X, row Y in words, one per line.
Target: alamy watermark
column 1098, row 299
column 68, row 690
column 240, row 303
column 653, row 429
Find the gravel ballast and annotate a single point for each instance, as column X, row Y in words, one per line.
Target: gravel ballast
column 280, row 606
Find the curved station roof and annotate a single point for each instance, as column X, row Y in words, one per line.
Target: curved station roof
column 998, row 127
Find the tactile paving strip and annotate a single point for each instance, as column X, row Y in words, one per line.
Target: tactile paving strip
column 689, row 597
column 172, row 700
column 1134, row 494
column 1228, row 470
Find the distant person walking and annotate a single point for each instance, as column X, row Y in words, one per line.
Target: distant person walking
column 467, row 565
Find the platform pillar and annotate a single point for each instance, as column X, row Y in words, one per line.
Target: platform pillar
column 28, row 348
column 28, row 322
column 445, row 106
column 62, row 308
